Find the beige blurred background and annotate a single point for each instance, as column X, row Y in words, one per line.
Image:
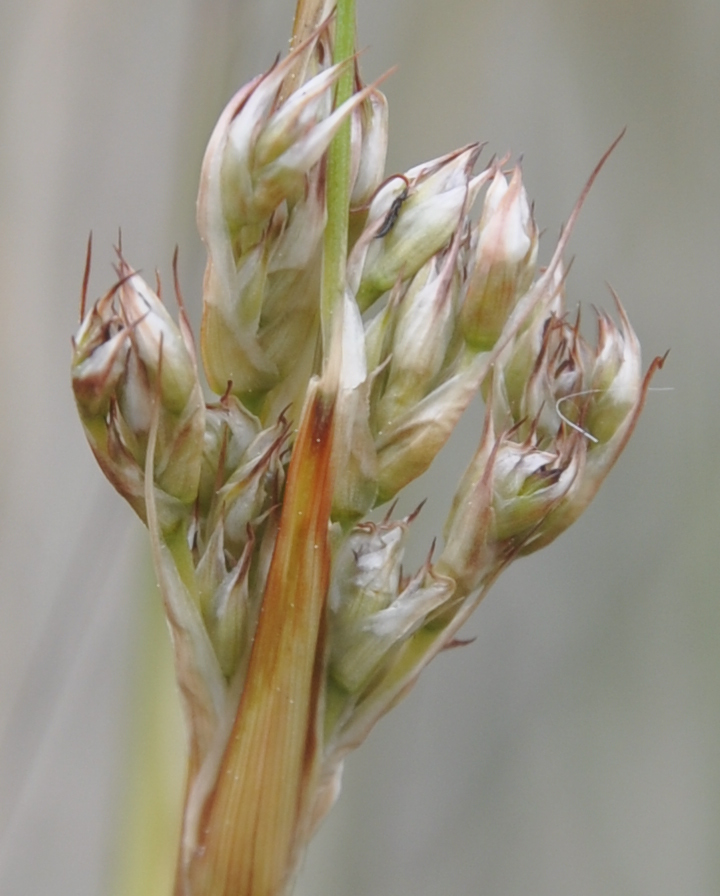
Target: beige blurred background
column 574, row 748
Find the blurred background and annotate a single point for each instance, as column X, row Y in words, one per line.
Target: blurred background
column 574, row 747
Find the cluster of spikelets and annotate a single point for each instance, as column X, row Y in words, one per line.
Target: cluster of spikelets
column 294, row 625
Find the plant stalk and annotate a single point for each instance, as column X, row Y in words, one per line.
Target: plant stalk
column 338, row 180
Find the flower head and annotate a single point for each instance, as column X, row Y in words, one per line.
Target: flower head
column 349, row 319
column 504, row 264
column 131, row 364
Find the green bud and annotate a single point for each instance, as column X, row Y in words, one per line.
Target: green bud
column 251, row 489
column 379, row 331
column 615, row 381
column 159, row 351
column 98, row 363
column 260, row 152
column 519, row 371
column 229, row 431
column 528, row 483
column 260, row 308
column 366, row 576
column 424, row 326
column 369, row 138
column 407, row 447
column 231, row 312
column 504, row 261
column 503, row 501
column 467, row 554
column 422, row 224
column 130, row 362
column 224, row 595
column 580, row 405
column 373, row 611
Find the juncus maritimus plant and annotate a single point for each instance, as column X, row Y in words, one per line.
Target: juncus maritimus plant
column 349, row 318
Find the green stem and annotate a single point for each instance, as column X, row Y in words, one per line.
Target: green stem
column 338, row 179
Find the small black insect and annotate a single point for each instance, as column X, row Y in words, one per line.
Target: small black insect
column 394, row 211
